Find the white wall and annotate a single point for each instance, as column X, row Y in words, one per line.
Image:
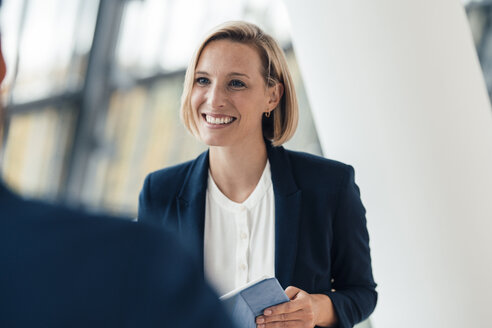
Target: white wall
column 396, row 90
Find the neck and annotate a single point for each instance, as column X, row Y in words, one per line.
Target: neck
column 237, row 170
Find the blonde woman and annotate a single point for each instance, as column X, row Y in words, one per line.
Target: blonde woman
column 248, row 207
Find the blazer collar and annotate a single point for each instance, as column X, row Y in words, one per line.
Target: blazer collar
column 191, row 209
column 195, row 183
column 287, row 213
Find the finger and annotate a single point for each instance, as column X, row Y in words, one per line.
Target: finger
column 292, row 291
column 285, row 324
column 298, row 315
column 287, row 307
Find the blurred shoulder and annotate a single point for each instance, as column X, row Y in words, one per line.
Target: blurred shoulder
column 59, row 221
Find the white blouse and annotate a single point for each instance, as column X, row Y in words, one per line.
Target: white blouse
column 239, row 241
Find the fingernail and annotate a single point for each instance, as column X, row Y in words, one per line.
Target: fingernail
column 260, row 320
column 268, row 312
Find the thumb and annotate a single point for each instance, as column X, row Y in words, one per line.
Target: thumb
column 292, row 292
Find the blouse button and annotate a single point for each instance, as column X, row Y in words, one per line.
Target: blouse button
column 244, row 235
column 242, row 267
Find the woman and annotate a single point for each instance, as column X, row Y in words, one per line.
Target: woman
column 247, row 206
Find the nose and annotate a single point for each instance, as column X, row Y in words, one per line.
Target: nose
column 216, row 97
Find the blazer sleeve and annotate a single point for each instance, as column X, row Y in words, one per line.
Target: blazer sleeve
column 353, row 295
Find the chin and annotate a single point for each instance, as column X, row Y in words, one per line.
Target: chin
column 215, row 141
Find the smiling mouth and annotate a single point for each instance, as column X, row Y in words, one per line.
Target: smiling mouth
column 222, row 120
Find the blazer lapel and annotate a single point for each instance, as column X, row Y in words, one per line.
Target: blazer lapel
column 191, row 205
column 287, row 214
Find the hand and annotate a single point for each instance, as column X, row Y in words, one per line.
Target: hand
column 304, row 310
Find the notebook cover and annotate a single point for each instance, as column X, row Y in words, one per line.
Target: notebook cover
column 246, row 304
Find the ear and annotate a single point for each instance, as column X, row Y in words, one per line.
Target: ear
column 275, row 93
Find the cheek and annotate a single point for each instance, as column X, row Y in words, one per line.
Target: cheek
column 197, row 98
column 252, row 108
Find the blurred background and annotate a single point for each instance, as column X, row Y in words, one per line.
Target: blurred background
column 93, row 88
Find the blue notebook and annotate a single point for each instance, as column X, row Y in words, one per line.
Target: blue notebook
column 246, row 303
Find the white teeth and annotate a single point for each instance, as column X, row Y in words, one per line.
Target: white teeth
column 218, row 120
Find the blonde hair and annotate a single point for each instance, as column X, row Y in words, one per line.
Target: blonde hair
column 282, row 123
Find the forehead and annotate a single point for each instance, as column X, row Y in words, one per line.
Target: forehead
column 224, row 55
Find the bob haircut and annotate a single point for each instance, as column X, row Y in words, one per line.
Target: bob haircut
column 282, row 123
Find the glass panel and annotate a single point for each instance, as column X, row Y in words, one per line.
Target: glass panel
column 167, row 32
column 142, row 130
column 142, row 134
column 51, row 44
column 36, row 151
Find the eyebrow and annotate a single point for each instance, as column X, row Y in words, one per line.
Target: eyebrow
column 230, row 74
column 239, row 74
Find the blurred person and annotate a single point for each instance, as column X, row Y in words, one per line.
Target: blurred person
column 63, row 268
column 251, row 208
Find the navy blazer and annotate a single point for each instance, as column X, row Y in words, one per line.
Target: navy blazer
column 322, row 243
column 62, row 268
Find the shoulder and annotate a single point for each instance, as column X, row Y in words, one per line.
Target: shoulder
column 317, row 162
column 316, row 170
column 33, row 214
column 102, row 253
column 170, row 174
column 170, row 179
column 101, row 236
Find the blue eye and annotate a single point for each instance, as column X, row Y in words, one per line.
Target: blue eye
column 202, row 81
column 237, row 84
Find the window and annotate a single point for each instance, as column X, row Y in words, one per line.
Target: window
column 94, row 105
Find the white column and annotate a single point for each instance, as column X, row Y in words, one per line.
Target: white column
column 397, row 91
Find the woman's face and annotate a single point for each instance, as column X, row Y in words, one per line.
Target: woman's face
column 229, row 95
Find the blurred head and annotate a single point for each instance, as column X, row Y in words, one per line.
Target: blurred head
column 240, row 47
column 3, row 71
column 2, row 61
